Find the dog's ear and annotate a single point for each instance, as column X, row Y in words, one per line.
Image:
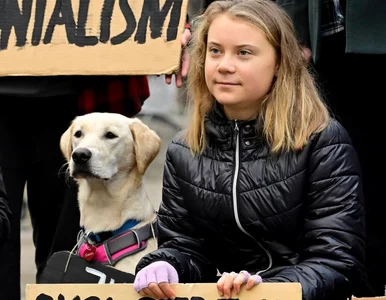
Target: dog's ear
column 66, row 142
column 146, row 144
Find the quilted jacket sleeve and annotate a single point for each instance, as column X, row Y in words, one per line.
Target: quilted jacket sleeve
column 332, row 257
column 298, row 12
column 178, row 242
column 5, row 214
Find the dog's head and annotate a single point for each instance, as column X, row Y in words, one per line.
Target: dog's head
column 102, row 145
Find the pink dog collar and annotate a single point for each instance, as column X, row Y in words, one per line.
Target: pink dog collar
column 100, row 254
column 112, row 250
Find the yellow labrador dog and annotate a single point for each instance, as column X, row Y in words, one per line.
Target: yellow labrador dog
column 107, row 156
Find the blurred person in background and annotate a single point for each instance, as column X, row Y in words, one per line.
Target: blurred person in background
column 345, row 43
column 34, row 112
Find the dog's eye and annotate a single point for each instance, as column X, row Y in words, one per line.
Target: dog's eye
column 110, row 135
column 78, row 134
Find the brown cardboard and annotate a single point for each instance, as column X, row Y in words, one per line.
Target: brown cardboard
column 370, row 298
column 26, row 46
column 203, row 291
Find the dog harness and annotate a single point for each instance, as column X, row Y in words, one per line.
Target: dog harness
column 111, row 246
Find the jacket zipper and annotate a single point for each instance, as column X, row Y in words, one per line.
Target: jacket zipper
column 234, row 196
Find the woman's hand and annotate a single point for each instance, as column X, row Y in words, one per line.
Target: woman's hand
column 154, row 281
column 184, row 67
column 230, row 282
column 307, row 54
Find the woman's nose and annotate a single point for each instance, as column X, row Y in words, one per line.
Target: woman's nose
column 226, row 64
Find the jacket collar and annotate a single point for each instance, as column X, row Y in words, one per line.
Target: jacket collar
column 221, row 131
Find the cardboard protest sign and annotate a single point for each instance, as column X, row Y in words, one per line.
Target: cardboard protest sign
column 369, row 298
column 90, row 37
column 203, row 291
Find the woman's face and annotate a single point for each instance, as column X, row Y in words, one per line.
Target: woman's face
column 240, row 66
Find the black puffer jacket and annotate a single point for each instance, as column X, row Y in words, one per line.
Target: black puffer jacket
column 294, row 217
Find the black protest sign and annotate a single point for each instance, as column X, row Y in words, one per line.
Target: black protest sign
column 110, row 37
column 203, row 291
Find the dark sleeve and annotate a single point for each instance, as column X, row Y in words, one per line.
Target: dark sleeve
column 178, row 242
column 5, row 214
column 298, row 12
column 207, row 3
column 332, row 256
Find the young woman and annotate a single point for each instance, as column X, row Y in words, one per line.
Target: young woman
column 264, row 185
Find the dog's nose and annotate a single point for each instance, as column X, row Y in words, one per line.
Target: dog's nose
column 81, row 156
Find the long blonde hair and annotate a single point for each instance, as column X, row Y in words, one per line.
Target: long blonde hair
column 293, row 110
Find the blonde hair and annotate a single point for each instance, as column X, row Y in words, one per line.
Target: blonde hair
column 293, row 109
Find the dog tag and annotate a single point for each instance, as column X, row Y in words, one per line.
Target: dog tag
column 89, row 252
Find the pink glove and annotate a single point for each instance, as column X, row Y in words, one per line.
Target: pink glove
column 257, row 278
column 157, row 272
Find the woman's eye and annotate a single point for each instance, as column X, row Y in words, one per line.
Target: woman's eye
column 243, row 52
column 214, row 50
column 78, row 134
column 110, row 135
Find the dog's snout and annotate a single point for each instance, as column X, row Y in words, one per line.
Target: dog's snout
column 81, row 155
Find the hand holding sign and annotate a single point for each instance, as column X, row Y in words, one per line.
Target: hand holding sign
column 154, row 280
column 184, row 64
column 233, row 281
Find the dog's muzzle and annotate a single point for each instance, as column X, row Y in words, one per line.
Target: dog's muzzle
column 81, row 156
column 81, row 168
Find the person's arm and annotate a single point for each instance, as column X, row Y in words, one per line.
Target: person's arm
column 178, row 242
column 207, row 3
column 5, row 214
column 298, row 11
column 332, row 256
column 184, row 63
